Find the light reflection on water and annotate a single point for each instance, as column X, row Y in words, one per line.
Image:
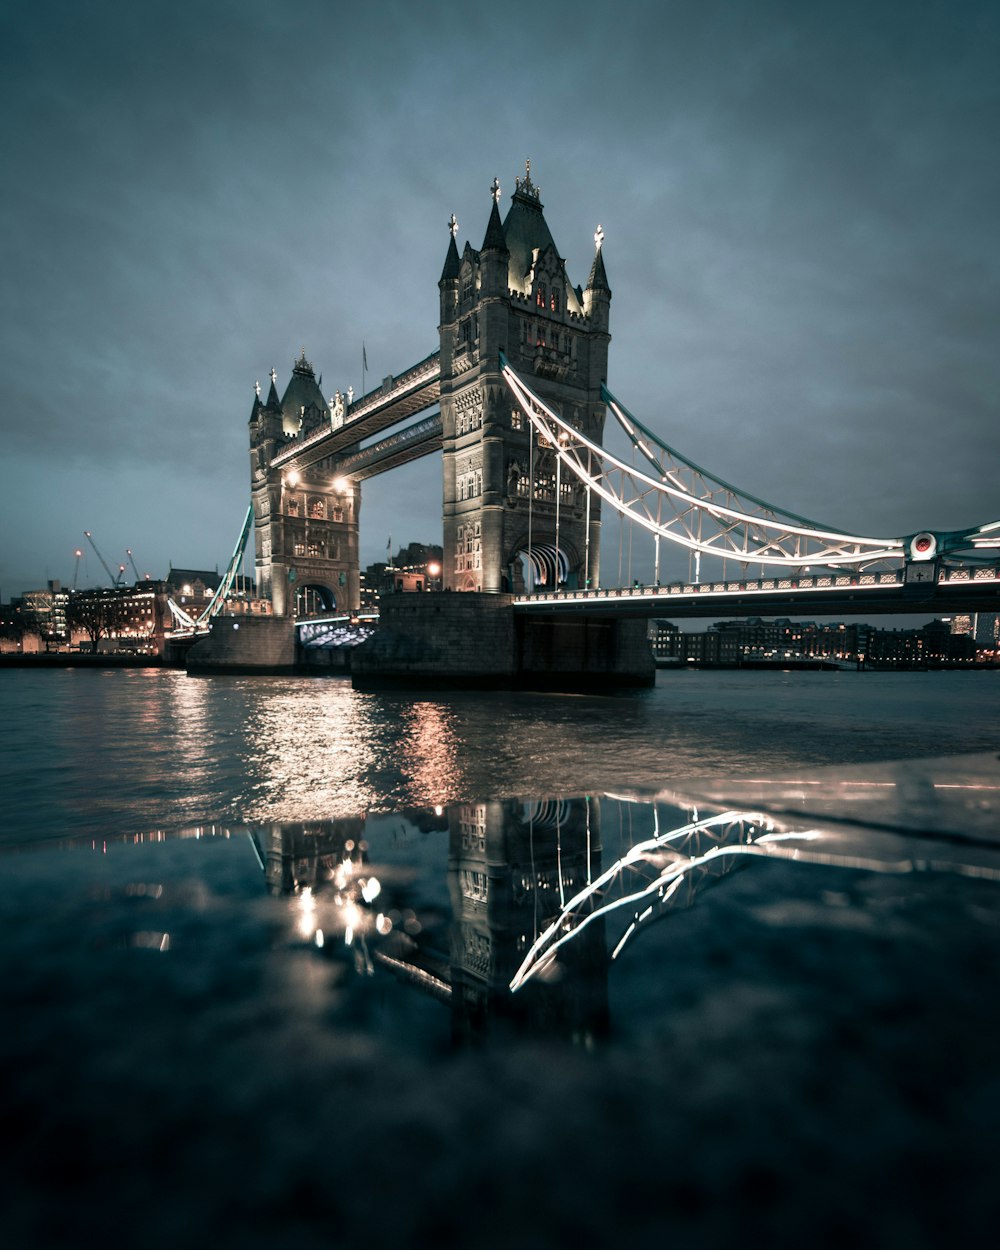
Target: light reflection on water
column 517, row 913
column 131, row 750
column 802, row 1034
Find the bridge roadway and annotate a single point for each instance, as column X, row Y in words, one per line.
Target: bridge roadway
column 918, row 588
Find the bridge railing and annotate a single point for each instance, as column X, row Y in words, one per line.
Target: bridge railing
column 820, row 581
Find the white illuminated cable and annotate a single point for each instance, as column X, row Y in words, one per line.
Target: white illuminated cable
column 884, row 548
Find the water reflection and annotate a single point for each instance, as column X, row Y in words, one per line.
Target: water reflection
column 514, row 914
column 509, row 868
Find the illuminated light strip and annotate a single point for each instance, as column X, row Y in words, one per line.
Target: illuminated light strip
column 180, row 615
column 627, row 420
column 638, row 853
column 678, row 872
column 885, row 548
column 226, row 585
column 630, row 424
column 614, row 596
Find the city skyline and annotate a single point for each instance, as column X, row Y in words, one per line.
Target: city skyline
column 797, row 210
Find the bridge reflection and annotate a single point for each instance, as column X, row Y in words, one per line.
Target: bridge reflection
column 516, row 916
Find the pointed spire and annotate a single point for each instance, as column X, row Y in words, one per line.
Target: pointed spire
column 273, row 402
column 495, row 240
column 598, row 280
column 257, row 408
column 451, row 262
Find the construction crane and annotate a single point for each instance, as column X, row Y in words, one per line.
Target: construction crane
column 128, row 552
column 76, row 568
column 97, row 552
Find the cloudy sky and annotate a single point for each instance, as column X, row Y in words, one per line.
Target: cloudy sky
column 800, row 204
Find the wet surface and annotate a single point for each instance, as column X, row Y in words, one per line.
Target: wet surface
column 758, row 1011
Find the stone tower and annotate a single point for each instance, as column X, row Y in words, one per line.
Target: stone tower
column 514, row 296
column 305, row 516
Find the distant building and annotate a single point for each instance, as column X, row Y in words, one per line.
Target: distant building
column 43, row 612
column 664, row 638
column 416, row 568
column 192, row 588
column 931, row 645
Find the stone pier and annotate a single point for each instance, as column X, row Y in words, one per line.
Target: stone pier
column 262, row 645
column 476, row 640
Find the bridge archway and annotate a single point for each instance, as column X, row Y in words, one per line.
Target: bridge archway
column 313, row 599
column 542, row 566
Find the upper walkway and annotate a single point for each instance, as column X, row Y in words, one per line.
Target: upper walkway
column 396, row 399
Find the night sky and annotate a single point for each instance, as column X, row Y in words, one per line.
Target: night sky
column 800, row 204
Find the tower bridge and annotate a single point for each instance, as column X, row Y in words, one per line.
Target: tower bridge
column 515, row 400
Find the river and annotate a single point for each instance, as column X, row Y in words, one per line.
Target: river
column 119, row 750
column 289, row 964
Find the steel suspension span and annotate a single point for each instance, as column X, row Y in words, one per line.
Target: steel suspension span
column 188, row 623
column 676, row 500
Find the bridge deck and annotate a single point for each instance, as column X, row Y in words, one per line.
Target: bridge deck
column 835, row 594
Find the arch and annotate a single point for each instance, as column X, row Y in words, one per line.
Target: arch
column 313, row 599
column 542, row 567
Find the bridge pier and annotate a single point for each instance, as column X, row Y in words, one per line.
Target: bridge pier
column 262, row 645
column 474, row 640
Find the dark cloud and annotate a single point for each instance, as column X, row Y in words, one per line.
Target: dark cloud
column 799, row 203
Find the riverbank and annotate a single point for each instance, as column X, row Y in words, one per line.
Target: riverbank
column 84, row 659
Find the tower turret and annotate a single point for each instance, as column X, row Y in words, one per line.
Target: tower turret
column 514, row 296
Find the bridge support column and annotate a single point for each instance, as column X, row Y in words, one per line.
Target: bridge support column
column 245, row 644
column 446, row 640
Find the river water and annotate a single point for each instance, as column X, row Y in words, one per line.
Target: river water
column 262, row 934
column 91, row 752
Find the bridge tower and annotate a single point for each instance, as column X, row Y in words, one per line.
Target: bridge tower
column 513, row 295
column 305, row 519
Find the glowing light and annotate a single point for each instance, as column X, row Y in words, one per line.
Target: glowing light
column 307, row 911
column 341, row 485
column 293, row 478
column 371, row 889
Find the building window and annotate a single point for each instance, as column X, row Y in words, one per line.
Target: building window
column 292, row 506
column 554, row 301
column 540, row 295
column 316, row 510
column 516, row 420
column 338, row 514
